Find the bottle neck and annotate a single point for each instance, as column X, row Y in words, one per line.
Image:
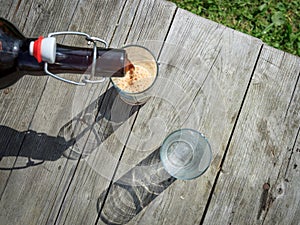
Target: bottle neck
column 110, row 62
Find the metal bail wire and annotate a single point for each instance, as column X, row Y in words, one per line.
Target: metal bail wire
column 90, row 40
column 93, row 72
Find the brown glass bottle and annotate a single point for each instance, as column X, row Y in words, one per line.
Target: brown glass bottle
column 16, row 61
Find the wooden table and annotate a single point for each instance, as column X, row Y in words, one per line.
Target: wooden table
column 241, row 93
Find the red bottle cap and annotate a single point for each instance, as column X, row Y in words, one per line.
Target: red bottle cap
column 37, row 49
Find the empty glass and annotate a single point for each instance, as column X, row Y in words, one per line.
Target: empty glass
column 186, row 154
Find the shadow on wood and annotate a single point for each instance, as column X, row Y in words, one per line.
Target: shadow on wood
column 30, row 144
column 92, row 127
column 40, row 146
column 130, row 194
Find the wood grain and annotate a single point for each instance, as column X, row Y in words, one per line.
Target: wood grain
column 43, row 187
column 5, row 8
column 19, row 102
column 241, row 94
column 205, row 78
column 252, row 187
column 283, row 201
column 93, row 174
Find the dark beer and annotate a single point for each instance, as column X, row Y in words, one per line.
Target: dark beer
column 17, row 61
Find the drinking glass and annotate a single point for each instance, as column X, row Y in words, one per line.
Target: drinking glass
column 186, row 154
column 143, row 57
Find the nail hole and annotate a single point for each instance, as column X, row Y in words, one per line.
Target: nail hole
column 266, row 186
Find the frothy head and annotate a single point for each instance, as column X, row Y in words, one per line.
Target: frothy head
column 135, row 80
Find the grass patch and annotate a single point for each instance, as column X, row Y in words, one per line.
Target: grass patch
column 276, row 23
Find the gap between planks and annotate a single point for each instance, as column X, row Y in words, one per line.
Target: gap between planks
column 44, row 87
column 99, row 106
column 123, row 150
column 230, row 138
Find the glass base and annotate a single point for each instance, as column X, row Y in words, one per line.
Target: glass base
column 185, row 154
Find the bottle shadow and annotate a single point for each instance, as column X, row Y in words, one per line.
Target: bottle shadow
column 37, row 147
column 42, row 147
column 129, row 195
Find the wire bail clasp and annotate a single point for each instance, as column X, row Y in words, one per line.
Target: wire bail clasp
column 91, row 40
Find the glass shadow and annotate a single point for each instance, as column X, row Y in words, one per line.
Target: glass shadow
column 42, row 147
column 129, row 195
column 92, row 127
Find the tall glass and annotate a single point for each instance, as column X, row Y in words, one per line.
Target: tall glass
column 143, row 60
column 186, row 154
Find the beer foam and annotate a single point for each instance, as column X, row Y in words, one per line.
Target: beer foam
column 135, row 81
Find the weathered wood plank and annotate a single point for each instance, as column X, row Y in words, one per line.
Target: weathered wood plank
column 95, row 172
column 210, row 67
column 284, row 200
column 5, row 8
column 253, row 186
column 18, row 103
column 38, row 191
column 206, row 75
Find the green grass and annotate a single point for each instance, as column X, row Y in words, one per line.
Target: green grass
column 276, row 23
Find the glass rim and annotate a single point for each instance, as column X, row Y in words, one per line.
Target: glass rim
column 201, row 135
column 156, row 75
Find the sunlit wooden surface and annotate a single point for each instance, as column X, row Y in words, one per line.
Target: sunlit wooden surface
column 243, row 95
